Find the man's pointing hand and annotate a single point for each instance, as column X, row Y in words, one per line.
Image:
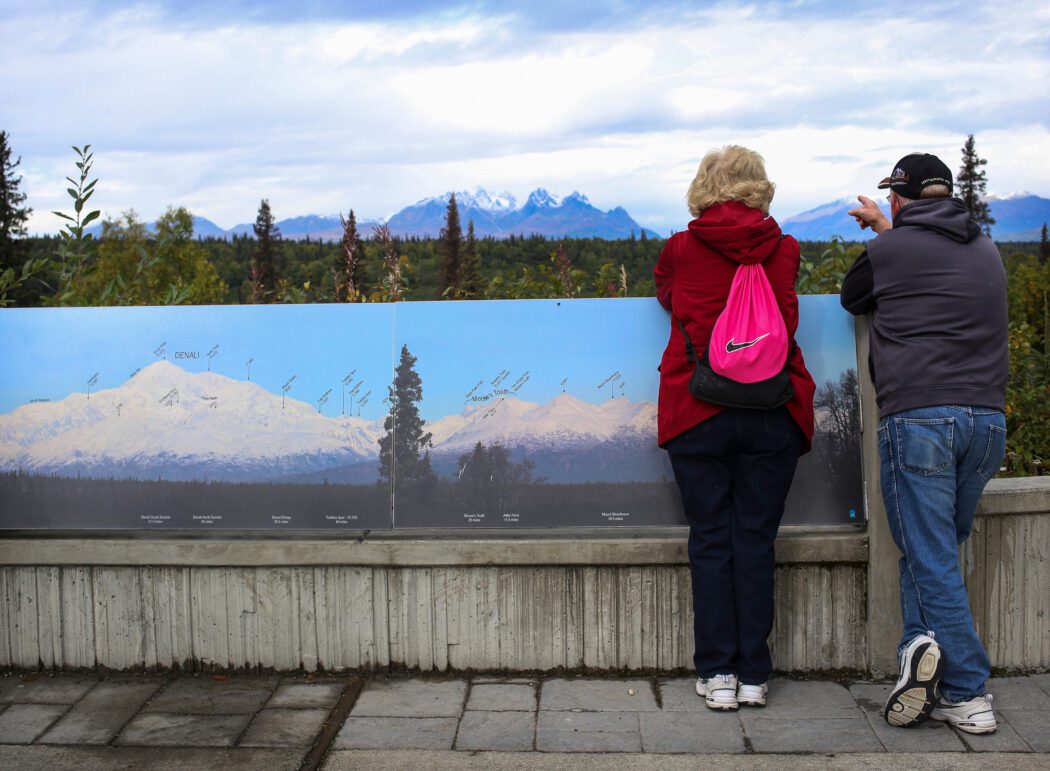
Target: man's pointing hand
column 869, row 215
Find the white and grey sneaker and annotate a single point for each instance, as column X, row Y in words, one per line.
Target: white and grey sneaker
column 719, row 691
column 974, row 716
column 752, row 695
column 915, row 693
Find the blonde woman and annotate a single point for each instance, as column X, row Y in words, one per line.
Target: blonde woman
column 733, row 466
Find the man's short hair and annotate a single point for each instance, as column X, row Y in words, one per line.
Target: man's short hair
column 936, row 191
column 731, row 173
column 931, row 191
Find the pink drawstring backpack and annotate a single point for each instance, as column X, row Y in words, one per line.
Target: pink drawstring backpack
column 745, row 364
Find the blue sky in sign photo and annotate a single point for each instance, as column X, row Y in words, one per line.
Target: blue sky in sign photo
column 461, row 348
column 326, row 106
column 52, row 353
column 592, row 345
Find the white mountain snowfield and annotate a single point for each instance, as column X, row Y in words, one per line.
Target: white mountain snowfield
column 563, row 422
column 480, row 198
column 164, row 416
column 165, row 422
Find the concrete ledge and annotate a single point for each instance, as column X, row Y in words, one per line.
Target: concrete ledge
column 666, row 546
column 1024, row 495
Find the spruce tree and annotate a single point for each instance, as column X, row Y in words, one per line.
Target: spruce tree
column 13, row 215
column 15, row 267
column 450, row 247
column 400, row 448
column 264, row 267
column 470, row 268
column 1044, row 246
column 972, row 182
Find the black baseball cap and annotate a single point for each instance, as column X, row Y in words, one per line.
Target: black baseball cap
column 914, row 173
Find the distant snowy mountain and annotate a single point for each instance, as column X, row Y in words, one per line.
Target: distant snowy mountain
column 316, row 227
column 496, row 215
column 1018, row 217
column 485, row 201
column 202, row 228
column 566, row 439
column 542, row 214
column 827, row 220
column 564, row 421
column 166, row 423
column 205, row 228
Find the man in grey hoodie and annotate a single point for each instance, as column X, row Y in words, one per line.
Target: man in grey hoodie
column 936, row 289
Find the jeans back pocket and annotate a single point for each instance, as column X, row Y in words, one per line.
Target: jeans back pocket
column 924, row 445
column 994, row 453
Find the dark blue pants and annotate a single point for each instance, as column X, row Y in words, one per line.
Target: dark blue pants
column 734, row 471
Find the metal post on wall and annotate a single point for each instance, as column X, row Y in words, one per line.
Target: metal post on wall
column 884, row 615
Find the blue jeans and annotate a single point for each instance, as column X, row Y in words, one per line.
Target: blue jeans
column 733, row 471
column 935, row 463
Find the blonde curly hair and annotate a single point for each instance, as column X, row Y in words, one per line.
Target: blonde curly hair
column 731, row 173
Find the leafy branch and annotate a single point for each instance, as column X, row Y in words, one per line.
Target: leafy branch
column 77, row 246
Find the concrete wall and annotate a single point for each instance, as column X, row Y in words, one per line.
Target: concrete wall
column 458, row 604
column 484, row 618
column 1006, row 564
column 435, row 601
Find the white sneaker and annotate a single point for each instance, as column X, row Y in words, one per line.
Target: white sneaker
column 915, row 693
column 719, row 691
column 974, row 716
column 752, row 695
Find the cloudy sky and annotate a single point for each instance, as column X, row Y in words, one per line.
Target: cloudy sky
column 324, row 105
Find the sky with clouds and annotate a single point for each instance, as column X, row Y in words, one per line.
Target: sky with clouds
column 322, row 106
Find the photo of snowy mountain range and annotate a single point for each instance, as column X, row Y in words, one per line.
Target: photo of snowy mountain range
column 469, row 414
column 215, row 428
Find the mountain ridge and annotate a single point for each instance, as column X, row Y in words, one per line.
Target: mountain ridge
column 166, row 422
column 1018, row 217
column 494, row 215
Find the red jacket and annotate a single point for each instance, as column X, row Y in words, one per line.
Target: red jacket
column 693, row 276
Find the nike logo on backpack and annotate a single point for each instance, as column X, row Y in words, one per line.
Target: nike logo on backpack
column 731, row 346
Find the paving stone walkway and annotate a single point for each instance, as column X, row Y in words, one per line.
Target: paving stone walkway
column 288, row 722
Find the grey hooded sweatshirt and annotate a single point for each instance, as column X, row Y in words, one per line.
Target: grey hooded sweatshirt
column 936, row 287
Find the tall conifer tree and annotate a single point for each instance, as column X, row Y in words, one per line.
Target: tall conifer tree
column 400, row 448
column 15, row 270
column 264, row 261
column 470, row 267
column 972, row 182
column 13, row 215
column 1044, row 246
column 450, row 247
